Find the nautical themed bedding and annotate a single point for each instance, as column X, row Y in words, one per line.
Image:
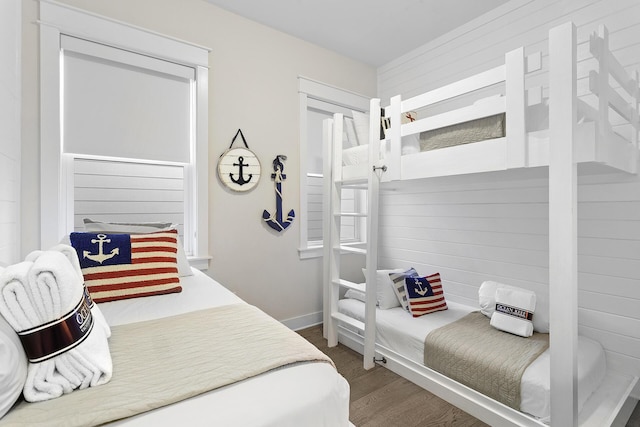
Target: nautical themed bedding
column 398, row 331
column 308, row 393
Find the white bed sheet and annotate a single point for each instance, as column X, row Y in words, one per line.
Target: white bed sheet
column 310, row 394
column 399, row 331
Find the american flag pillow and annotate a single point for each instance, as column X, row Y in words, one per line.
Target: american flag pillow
column 425, row 294
column 121, row 266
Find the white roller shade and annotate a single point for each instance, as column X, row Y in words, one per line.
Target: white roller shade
column 121, row 104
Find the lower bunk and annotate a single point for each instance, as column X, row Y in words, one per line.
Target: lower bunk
column 400, row 346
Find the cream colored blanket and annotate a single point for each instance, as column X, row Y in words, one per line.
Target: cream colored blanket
column 163, row 361
column 475, row 354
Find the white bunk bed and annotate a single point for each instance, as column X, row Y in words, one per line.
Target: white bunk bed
column 580, row 132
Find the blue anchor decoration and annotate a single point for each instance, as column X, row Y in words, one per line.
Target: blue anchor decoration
column 240, row 180
column 277, row 223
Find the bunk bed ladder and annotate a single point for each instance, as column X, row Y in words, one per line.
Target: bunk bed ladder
column 335, row 247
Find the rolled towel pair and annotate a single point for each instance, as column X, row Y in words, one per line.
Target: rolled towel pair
column 514, row 311
column 37, row 296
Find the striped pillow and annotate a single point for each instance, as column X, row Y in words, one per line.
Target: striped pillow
column 121, row 266
column 397, row 279
column 425, row 294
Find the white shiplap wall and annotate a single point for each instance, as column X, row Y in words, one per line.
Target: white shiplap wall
column 128, row 192
column 10, row 92
column 494, row 226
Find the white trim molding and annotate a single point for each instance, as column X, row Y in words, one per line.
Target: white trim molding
column 57, row 19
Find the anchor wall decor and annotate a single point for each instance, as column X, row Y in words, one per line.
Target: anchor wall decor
column 239, row 168
column 275, row 221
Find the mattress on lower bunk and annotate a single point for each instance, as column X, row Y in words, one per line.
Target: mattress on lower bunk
column 459, row 134
column 400, row 332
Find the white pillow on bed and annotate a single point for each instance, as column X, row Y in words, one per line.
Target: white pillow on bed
column 355, row 155
column 13, row 367
column 350, row 131
column 385, row 295
column 90, row 225
column 487, row 300
column 361, row 121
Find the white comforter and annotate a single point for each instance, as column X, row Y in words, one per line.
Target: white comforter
column 311, row 394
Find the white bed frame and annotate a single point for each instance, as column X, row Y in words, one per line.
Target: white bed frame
column 589, row 142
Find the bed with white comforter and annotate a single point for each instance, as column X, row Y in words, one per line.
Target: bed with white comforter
column 305, row 392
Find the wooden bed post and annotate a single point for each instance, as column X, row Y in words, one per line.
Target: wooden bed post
column 371, row 266
column 603, row 128
column 331, row 256
column 636, row 121
column 516, row 105
column 393, row 147
column 563, row 282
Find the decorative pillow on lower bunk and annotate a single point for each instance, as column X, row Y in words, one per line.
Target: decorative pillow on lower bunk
column 514, row 311
column 487, row 300
column 385, row 293
column 425, row 294
column 397, row 278
column 121, row 266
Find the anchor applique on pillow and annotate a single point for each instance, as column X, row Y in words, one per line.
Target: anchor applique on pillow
column 121, row 266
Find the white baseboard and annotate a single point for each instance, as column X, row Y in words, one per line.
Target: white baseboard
column 301, row 322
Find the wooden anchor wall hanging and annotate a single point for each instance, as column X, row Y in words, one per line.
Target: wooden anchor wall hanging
column 239, row 168
column 275, row 221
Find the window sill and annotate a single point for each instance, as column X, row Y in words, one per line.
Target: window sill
column 201, row 263
column 310, row 252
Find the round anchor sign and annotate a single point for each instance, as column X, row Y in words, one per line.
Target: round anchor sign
column 239, row 168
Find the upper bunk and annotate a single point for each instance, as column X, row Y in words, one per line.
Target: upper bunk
column 457, row 129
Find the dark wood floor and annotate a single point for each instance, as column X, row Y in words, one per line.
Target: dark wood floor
column 381, row 398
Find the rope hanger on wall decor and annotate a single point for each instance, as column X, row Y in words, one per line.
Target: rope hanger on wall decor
column 239, row 168
column 275, row 221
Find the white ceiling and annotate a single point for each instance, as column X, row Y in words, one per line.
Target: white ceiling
column 371, row 31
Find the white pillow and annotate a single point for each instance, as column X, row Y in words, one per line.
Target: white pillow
column 514, row 311
column 184, row 269
column 355, row 155
column 487, row 300
column 357, row 294
column 361, row 121
column 350, row 130
column 385, row 295
column 13, row 367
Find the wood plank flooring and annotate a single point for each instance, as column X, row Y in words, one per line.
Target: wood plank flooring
column 381, row 398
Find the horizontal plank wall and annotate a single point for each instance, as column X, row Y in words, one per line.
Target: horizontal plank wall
column 10, row 28
column 494, row 226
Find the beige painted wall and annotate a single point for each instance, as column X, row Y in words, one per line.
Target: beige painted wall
column 253, row 86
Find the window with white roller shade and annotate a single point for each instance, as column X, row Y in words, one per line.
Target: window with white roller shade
column 124, row 127
column 122, row 104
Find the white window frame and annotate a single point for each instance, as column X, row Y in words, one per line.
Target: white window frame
column 309, row 89
column 56, row 193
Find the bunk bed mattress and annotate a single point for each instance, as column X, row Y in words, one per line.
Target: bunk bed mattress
column 308, row 393
column 490, row 127
column 405, row 335
column 464, row 133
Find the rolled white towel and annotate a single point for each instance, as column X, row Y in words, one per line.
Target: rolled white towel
column 43, row 291
column 72, row 256
column 514, row 311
